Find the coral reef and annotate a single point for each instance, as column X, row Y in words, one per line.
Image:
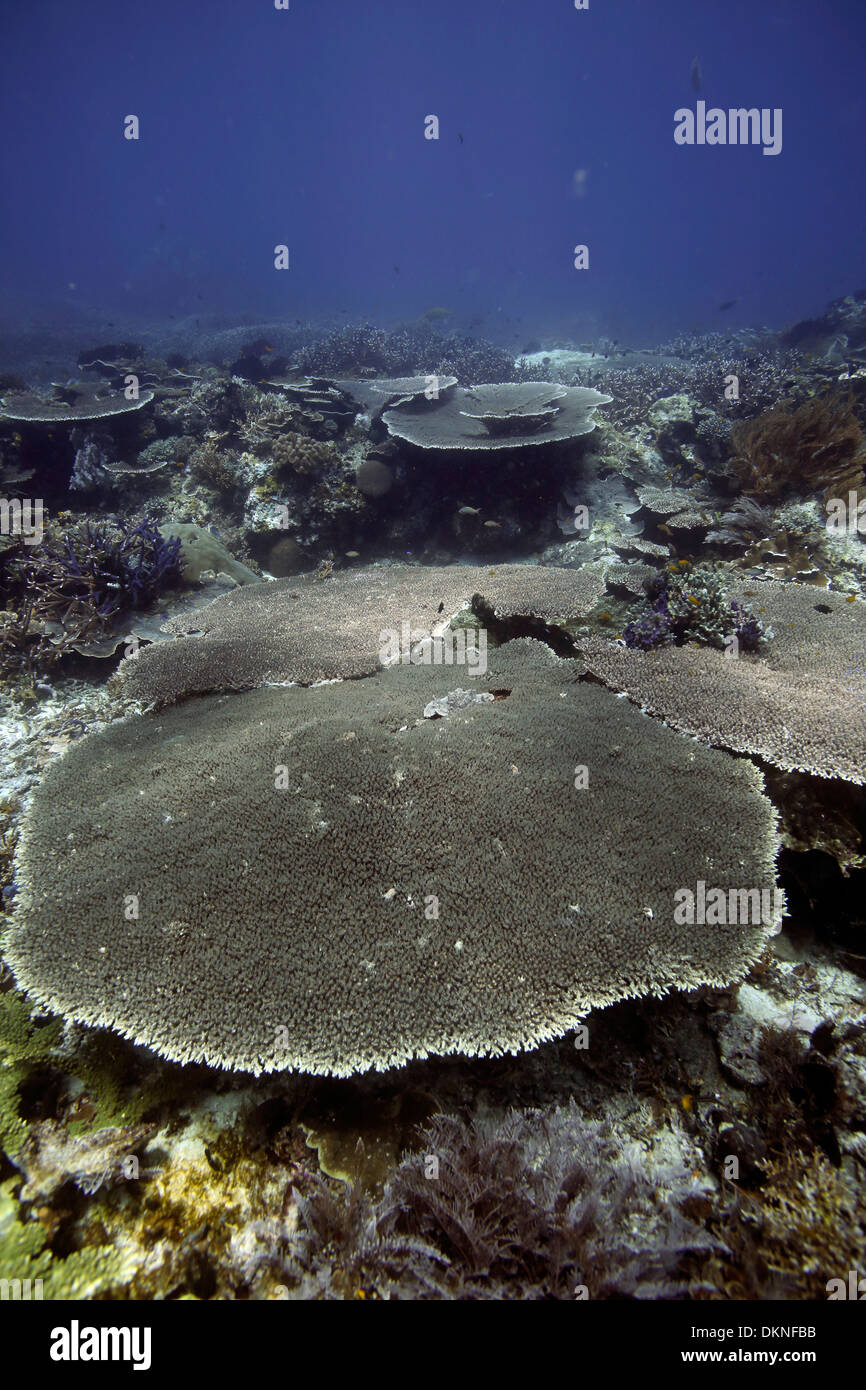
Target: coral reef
column 497, row 417
column 79, row 402
column 78, row 584
column 305, row 630
column 201, row 552
column 24, row 1041
column 684, row 604
column 159, row 879
column 416, row 348
column 536, row 1205
column 34, row 1272
column 300, row 454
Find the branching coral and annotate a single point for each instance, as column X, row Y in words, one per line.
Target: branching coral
column 410, row 349
column 74, row 586
column 683, row 604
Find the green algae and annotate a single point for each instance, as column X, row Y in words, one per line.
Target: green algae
column 89, row 1273
column 25, row 1045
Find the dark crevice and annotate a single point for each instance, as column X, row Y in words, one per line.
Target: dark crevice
column 830, row 904
column 506, row 628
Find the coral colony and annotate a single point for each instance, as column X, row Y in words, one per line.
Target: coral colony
column 360, row 625
column 433, row 797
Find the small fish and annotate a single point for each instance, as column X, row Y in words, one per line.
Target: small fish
column 492, row 524
column 441, row 608
column 697, row 75
column 691, row 598
column 468, row 511
column 352, row 554
column 728, row 304
column 605, row 617
column 684, row 563
column 460, row 137
column 851, row 598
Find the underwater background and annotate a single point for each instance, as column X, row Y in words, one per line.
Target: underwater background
column 340, row 346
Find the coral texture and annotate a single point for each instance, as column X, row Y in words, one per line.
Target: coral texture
column 306, row 630
column 325, row 880
column 800, row 703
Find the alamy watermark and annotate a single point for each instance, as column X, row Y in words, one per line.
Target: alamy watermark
column 736, row 126
column 20, row 1289
column 721, row 907
column 22, row 518
column 847, row 516
column 854, row 1287
column 420, row 647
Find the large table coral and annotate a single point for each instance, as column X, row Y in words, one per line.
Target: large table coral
column 323, row 879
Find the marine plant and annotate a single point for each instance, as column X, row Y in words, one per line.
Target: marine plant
column 818, row 446
column 534, row 1204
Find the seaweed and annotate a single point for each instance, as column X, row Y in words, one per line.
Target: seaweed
column 816, row 447
column 537, row 1205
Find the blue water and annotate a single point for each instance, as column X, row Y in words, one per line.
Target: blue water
column 305, row 127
